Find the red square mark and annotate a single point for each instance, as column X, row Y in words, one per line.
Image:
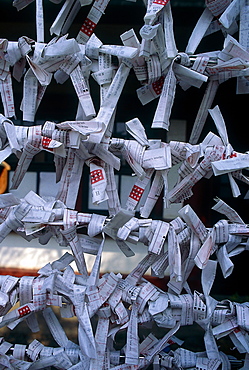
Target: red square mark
column 136, row 193
column 160, row 2
column 23, row 311
column 46, row 141
column 96, row 176
column 158, row 85
column 88, row 27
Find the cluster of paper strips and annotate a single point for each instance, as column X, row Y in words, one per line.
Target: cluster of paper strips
column 120, row 304
column 70, row 143
column 116, row 303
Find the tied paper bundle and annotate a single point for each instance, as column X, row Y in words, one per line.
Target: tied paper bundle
column 70, row 143
column 119, row 304
column 122, row 304
column 156, row 62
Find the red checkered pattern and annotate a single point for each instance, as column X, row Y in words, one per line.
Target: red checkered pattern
column 46, row 141
column 96, row 176
column 136, row 193
column 88, row 27
column 23, row 311
column 158, row 85
column 160, row 2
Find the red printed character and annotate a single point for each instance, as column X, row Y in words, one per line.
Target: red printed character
column 232, row 155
